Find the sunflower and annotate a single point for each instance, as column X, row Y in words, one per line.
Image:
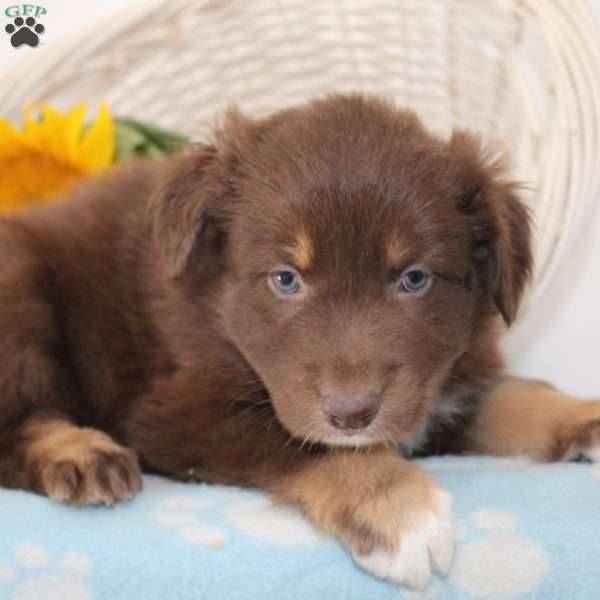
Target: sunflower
column 45, row 157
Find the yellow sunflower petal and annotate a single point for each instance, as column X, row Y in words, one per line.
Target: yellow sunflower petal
column 28, row 119
column 11, row 139
column 97, row 147
column 30, row 128
column 33, row 130
column 28, row 178
column 49, row 154
column 61, row 131
column 74, row 124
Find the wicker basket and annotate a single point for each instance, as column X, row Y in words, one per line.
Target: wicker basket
column 523, row 73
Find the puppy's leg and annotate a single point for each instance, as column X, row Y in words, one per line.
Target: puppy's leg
column 520, row 416
column 74, row 464
column 396, row 521
column 40, row 447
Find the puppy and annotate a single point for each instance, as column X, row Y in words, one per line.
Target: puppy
column 280, row 309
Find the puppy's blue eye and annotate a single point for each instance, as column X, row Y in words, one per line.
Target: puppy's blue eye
column 286, row 282
column 414, row 280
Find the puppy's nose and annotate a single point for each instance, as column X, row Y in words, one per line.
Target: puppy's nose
column 350, row 411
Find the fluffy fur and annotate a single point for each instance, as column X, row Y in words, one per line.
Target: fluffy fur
column 140, row 325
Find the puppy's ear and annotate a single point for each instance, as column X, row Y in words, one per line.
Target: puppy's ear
column 500, row 224
column 181, row 206
column 195, row 200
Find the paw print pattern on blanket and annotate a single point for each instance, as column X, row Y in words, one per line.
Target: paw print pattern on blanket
column 33, row 575
column 501, row 564
column 272, row 522
column 256, row 516
column 181, row 512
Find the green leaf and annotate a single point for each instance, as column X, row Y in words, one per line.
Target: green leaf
column 137, row 139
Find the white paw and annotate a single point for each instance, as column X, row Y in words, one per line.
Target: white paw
column 426, row 545
column 592, row 454
column 586, row 443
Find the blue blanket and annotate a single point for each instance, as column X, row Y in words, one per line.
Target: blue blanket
column 525, row 531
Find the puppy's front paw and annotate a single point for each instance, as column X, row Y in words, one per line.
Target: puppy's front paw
column 80, row 465
column 418, row 539
column 423, row 543
column 395, row 520
column 97, row 476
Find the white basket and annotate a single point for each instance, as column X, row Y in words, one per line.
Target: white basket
column 523, row 73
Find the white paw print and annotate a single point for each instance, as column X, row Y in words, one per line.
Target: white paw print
column 179, row 512
column 500, row 564
column 35, row 578
column 271, row 522
column 255, row 515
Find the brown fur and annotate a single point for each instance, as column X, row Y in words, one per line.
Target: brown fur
column 139, row 308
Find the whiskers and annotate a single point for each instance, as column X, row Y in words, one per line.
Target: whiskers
column 383, row 435
column 307, row 435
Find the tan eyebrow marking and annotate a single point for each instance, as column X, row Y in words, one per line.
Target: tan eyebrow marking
column 302, row 251
column 396, row 256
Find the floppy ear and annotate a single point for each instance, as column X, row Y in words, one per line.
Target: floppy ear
column 191, row 208
column 181, row 206
column 501, row 225
column 511, row 259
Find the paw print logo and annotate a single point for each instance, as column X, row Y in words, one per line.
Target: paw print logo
column 24, row 32
column 32, row 575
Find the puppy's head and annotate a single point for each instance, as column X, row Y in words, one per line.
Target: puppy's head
column 353, row 257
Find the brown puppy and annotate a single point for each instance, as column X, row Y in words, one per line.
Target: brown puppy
column 251, row 312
